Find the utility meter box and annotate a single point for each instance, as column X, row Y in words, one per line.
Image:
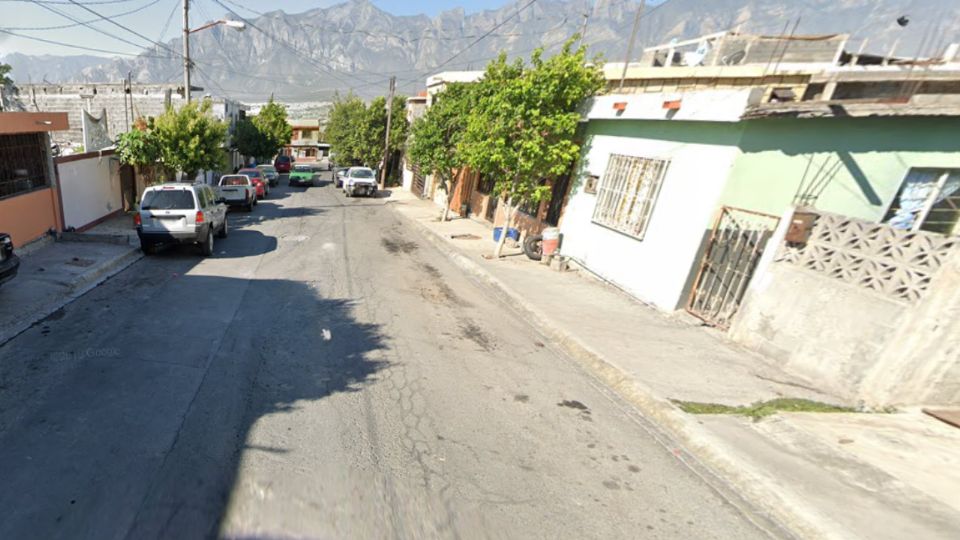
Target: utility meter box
column 801, row 225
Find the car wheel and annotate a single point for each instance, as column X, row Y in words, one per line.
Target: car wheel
column 206, row 248
column 223, row 229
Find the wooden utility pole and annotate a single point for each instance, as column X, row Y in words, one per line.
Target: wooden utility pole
column 386, row 143
column 186, row 50
column 633, row 39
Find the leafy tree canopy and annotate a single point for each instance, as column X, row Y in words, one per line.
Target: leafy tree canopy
column 250, row 141
column 187, row 140
column 521, row 127
column 273, row 126
column 356, row 132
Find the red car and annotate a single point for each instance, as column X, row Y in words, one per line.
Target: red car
column 259, row 182
column 282, row 164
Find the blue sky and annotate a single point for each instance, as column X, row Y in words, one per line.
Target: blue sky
column 152, row 20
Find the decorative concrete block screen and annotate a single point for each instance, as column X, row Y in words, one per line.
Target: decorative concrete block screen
column 895, row 263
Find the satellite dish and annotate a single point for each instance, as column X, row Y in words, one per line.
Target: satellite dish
column 734, row 58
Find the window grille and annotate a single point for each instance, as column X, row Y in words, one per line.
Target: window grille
column 628, row 193
column 23, row 163
column 928, row 200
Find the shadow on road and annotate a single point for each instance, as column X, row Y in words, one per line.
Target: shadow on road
column 139, row 429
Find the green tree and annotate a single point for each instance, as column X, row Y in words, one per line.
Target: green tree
column 252, row 142
column 343, row 132
column 273, row 126
column 190, row 139
column 435, row 137
column 6, row 85
column 522, row 125
column 139, row 147
column 356, row 132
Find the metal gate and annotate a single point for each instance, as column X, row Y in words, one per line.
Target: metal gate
column 736, row 243
column 419, row 182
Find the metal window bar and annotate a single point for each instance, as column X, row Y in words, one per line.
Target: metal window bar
column 23, row 163
column 628, row 192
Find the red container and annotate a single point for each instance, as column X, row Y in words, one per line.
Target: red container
column 551, row 240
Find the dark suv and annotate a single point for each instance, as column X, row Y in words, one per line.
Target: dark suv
column 9, row 263
column 283, row 164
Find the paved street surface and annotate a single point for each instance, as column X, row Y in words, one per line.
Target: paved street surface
column 326, row 374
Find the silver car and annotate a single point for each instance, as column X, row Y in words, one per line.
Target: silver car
column 360, row 181
column 178, row 213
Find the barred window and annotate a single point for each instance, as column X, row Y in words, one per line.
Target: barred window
column 928, row 200
column 23, row 163
column 628, row 192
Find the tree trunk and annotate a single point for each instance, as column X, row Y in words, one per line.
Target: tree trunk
column 451, row 186
column 507, row 215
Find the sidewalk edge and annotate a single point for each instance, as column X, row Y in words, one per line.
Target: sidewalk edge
column 776, row 510
column 84, row 284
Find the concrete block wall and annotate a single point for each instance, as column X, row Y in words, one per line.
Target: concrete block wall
column 852, row 337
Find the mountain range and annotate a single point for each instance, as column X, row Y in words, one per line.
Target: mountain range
column 355, row 46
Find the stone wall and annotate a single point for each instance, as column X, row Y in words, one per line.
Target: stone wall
column 862, row 310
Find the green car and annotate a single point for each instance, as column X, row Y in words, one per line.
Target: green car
column 301, row 175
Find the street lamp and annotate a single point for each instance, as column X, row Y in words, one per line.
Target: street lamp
column 237, row 25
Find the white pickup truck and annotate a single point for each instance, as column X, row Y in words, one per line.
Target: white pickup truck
column 238, row 190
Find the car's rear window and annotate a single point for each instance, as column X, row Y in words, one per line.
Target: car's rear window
column 362, row 173
column 251, row 172
column 234, row 181
column 168, row 199
column 283, row 159
column 303, row 168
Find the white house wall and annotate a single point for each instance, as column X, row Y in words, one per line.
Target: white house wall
column 89, row 189
column 656, row 268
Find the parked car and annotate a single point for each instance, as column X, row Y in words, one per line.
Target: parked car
column 9, row 263
column 283, row 163
column 324, row 163
column 271, row 174
column 259, row 181
column 339, row 176
column 180, row 214
column 238, row 190
column 360, row 181
column 302, row 175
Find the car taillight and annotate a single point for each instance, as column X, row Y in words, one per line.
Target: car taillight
column 136, row 220
column 199, row 217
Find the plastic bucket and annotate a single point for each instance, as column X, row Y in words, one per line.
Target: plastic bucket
column 511, row 233
column 551, row 240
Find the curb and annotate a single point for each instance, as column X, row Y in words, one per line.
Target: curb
column 84, row 284
column 762, row 499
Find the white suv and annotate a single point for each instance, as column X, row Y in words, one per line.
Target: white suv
column 180, row 214
column 360, row 181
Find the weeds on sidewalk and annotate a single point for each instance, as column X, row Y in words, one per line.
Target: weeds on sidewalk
column 762, row 409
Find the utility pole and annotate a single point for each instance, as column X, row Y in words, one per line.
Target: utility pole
column 386, row 144
column 186, row 50
column 633, row 38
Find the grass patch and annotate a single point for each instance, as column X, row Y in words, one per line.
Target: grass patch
column 762, row 409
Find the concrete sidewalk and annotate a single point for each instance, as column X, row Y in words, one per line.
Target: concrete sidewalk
column 55, row 274
column 816, row 475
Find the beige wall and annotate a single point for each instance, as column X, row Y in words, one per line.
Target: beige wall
column 29, row 216
column 871, row 319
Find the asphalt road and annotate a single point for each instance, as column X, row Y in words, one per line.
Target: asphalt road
column 326, row 374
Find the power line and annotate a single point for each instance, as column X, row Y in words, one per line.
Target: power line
column 295, row 50
column 73, row 46
column 88, row 25
column 62, row 26
column 481, row 38
column 65, row 2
